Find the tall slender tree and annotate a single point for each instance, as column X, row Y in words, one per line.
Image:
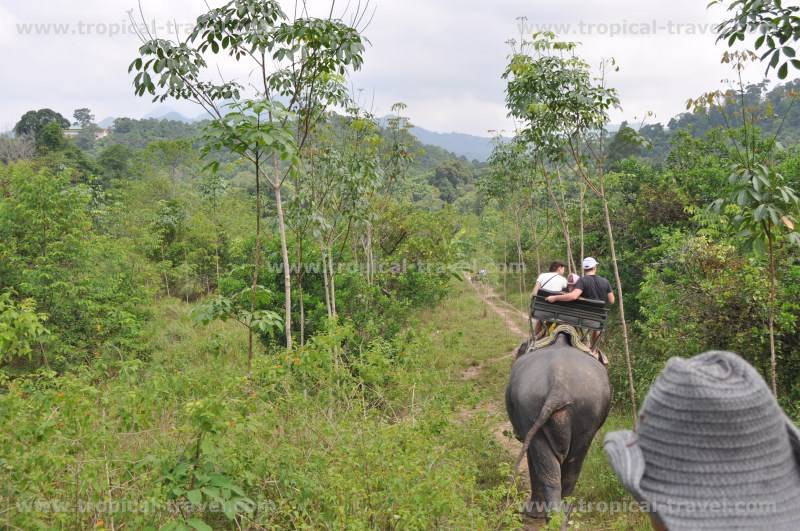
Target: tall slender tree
column 300, row 64
column 565, row 107
column 766, row 205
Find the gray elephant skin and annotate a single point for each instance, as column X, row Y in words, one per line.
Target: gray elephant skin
column 558, row 397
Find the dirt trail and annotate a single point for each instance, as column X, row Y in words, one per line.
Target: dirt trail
column 517, row 323
column 507, row 312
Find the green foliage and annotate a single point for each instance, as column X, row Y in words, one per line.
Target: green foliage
column 765, row 202
column 399, row 153
column 627, row 143
column 33, row 122
column 50, row 137
column 21, row 328
column 264, row 322
column 115, row 161
column 199, row 487
column 195, row 481
column 356, row 434
column 51, row 255
column 777, row 27
column 700, row 166
column 712, row 297
column 137, row 134
column 239, row 29
column 83, row 117
column 553, row 92
column 251, row 129
column 452, row 179
column 704, row 290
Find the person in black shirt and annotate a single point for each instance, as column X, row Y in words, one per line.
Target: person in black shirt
column 590, row 286
column 595, row 287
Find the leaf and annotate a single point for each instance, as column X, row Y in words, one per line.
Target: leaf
column 199, row 525
column 773, row 216
column 776, row 57
column 787, row 221
column 213, row 493
column 783, row 71
column 195, row 496
column 759, row 246
column 741, row 200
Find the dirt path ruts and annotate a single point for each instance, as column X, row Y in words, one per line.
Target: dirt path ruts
column 507, row 312
column 502, row 431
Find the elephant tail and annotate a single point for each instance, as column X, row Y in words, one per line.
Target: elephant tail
column 549, row 407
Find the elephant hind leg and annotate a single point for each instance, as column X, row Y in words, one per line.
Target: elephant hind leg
column 571, row 469
column 545, row 474
column 558, row 431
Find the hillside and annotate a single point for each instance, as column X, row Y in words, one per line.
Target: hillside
column 462, row 145
column 435, row 174
column 468, row 146
column 774, row 111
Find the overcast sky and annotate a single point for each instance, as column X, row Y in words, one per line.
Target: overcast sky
column 443, row 58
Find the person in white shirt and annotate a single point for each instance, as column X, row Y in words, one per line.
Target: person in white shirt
column 552, row 281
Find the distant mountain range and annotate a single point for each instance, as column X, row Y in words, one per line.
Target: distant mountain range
column 158, row 114
column 472, row 147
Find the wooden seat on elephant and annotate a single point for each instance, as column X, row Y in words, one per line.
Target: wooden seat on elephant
column 585, row 313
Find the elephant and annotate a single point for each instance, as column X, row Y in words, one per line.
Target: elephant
column 557, row 399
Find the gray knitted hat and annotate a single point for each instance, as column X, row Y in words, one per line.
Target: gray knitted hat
column 712, row 449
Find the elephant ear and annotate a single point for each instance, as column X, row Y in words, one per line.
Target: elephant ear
column 794, row 438
column 626, row 459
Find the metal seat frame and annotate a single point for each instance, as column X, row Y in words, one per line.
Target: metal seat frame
column 586, row 314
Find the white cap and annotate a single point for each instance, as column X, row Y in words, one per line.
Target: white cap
column 589, row 263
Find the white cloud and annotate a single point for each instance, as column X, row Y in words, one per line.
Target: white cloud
column 7, row 26
column 443, row 58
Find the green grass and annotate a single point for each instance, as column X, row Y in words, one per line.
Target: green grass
column 333, row 436
column 387, row 435
column 599, row 485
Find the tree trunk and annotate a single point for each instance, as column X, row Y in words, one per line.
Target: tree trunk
column 216, row 258
column 564, row 225
column 505, row 268
column 368, row 253
column 521, row 261
column 612, row 247
column 300, row 273
column 773, row 360
column 187, row 278
column 323, row 251
column 582, row 206
column 332, row 280
column 256, row 263
column 566, row 217
column 287, row 276
column 536, row 239
column 164, row 261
